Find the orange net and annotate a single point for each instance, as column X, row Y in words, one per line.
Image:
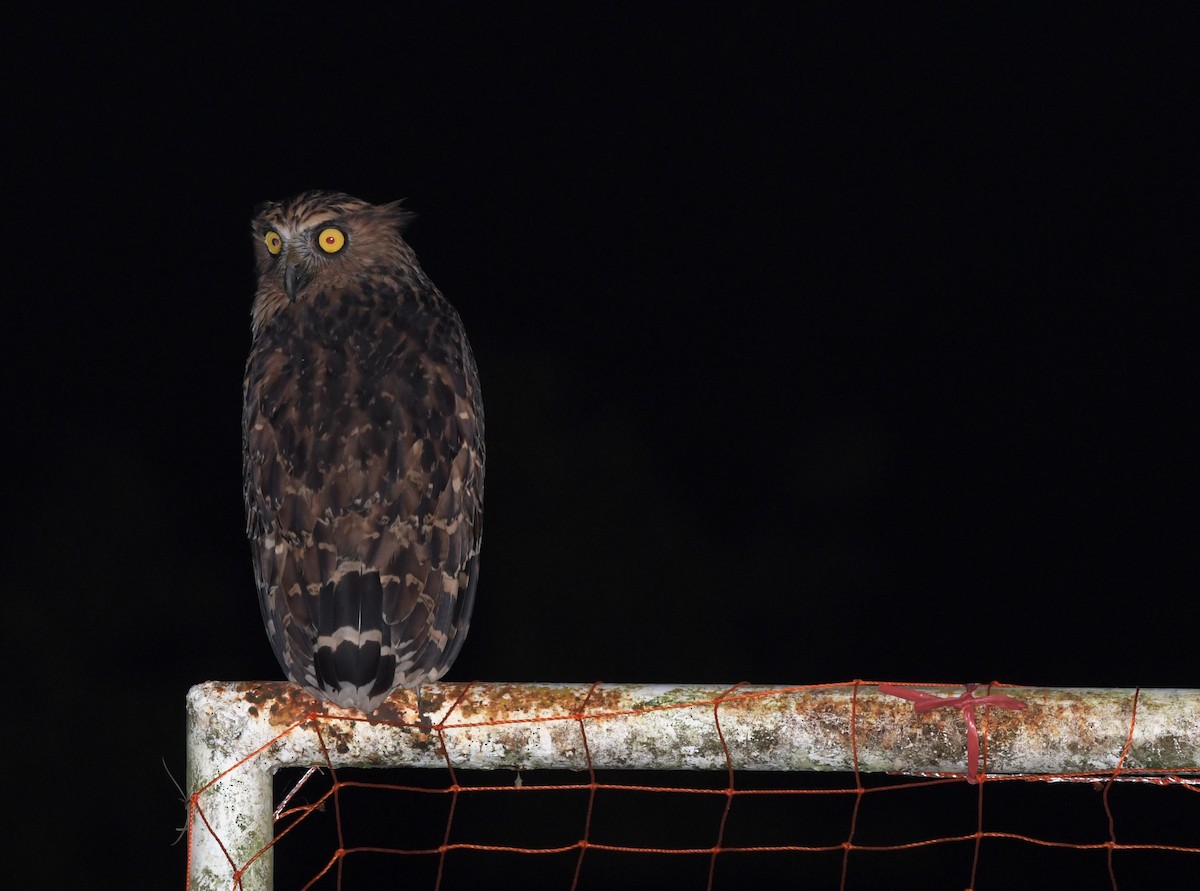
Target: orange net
column 958, row 825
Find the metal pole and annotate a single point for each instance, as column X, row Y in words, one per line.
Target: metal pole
column 230, row 820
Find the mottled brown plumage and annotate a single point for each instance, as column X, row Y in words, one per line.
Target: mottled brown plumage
column 363, row 452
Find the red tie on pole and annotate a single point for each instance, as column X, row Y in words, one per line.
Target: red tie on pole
column 965, row 703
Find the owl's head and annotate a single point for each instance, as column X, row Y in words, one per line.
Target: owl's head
column 322, row 240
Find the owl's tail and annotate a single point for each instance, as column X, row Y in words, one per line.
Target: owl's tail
column 355, row 660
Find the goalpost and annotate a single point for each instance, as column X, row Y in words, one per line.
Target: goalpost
column 240, row 734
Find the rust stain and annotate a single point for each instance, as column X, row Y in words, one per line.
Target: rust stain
column 501, row 702
column 285, row 704
column 338, row 736
column 604, row 700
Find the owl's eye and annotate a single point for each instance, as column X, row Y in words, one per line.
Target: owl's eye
column 274, row 242
column 331, row 240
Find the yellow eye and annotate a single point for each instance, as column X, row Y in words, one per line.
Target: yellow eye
column 331, row 240
column 274, row 242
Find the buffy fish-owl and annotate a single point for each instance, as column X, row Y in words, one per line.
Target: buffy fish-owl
column 362, row 452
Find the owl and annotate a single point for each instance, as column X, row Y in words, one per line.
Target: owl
column 362, row 436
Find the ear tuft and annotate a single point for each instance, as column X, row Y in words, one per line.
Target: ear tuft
column 396, row 214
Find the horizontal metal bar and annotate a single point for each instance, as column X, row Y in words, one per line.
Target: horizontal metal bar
column 673, row 727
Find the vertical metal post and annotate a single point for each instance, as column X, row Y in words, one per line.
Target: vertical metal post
column 231, row 820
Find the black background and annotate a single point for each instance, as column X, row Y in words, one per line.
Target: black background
column 814, row 346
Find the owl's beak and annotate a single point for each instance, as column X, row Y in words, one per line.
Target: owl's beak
column 292, row 279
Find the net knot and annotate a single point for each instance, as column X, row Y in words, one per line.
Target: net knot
column 965, row 702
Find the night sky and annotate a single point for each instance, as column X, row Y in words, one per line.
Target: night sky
column 813, row 348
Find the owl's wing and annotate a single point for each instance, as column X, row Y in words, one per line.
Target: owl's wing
column 364, row 486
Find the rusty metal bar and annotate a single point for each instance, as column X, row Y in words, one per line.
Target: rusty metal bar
column 651, row 726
